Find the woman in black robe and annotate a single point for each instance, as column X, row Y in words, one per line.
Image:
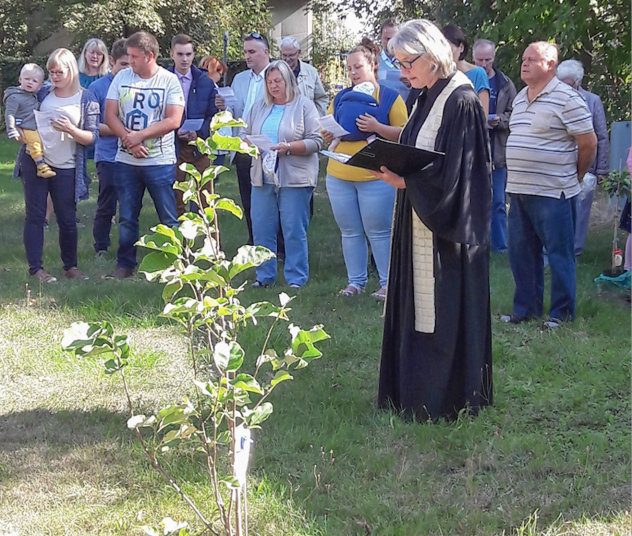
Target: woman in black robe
column 437, row 351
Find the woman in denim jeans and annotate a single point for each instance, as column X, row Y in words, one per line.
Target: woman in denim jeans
column 363, row 205
column 285, row 175
column 74, row 122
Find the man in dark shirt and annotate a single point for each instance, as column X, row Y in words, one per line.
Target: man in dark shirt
column 199, row 95
column 501, row 95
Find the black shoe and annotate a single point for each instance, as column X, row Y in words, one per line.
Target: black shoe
column 102, row 254
column 259, row 284
column 513, row 319
column 120, row 272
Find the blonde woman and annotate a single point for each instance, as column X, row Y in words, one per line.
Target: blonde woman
column 93, row 63
column 285, row 176
column 75, row 126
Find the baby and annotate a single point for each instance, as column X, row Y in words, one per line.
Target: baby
column 367, row 88
column 20, row 103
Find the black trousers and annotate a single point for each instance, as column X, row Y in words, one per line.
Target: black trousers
column 242, row 164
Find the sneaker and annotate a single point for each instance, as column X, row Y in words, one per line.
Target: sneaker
column 44, row 276
column 512, row 319
column 120, row 272
column 44, row 171
column 75, row 273
column 102, row 254
column 295, row 286
column 259, row 284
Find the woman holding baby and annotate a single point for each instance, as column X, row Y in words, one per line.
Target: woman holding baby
column 72, row 125
column 363, row 205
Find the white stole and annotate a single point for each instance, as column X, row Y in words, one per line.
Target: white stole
column 423, row 249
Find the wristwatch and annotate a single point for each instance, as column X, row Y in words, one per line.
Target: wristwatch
column 289, row 150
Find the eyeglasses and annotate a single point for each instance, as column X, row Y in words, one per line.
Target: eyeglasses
column 289, row 56
column 57, row 73
column 405, row 64
column 255, row 35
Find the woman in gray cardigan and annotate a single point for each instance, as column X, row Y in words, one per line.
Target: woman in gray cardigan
column 285, row 175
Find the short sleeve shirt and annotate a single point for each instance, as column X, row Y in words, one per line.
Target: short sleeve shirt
column 142, row 102
column 541, row 148
column 479, row 79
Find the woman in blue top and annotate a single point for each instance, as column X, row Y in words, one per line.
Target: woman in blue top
column 477, row 75
column 285, row 175
column 93, row 63
column 74, row 120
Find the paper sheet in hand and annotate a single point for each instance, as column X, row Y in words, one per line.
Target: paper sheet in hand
column 329, row 124
column 400, row 159
column 192, row 125
column 261, row 140
column 228, row 95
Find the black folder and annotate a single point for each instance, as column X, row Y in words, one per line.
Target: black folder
column 400, row 159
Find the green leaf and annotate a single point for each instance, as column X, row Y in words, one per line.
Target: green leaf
column 236, row 358
column 247, row 383
column 191, row 170
column 172, row 528
column 225, row 119
column 247, row 257
column 279, row 377
column 229, row 206
column 230, row 482
column 150, row 531
column 191, row 228
column 135, row 421
column 221, row 355
column 174, row 414
column 82, row 338
column 232, row 143
column 171, row 289
column 260, row 414
column 211, row 173
column 164, row 239
column 155, row 263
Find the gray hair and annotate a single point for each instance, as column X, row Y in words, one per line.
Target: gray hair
column 422, row 37
column 92, row 44
column 33, row 68
column 487, row 42
column 290, row 41
column 549, row 51
column 291, row 87
column 571, row 69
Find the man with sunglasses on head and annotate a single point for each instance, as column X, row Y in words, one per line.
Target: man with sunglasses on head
column 309, row 83
column 249, row 88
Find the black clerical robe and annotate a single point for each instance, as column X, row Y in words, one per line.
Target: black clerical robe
column 437, row 350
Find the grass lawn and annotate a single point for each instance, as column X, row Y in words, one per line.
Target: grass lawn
column 552, row 456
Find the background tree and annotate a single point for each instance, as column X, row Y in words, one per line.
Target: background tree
column 26, row 23
column 596, row 33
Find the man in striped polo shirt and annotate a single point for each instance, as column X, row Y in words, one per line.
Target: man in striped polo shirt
column 551, row 143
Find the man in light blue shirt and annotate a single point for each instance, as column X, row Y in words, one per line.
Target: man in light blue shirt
column 105, row 153
column 387, row 74
column 248, row 87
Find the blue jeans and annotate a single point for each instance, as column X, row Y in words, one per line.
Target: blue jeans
column 536, row 222
column 499, row 210
column 106, row 205
column 290, row 206
column 363, row 209
column 62, row 192
column 130, row 182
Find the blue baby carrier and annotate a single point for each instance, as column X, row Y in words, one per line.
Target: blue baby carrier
column 349, row 105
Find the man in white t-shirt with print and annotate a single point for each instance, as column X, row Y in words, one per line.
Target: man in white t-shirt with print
column 144, row 106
